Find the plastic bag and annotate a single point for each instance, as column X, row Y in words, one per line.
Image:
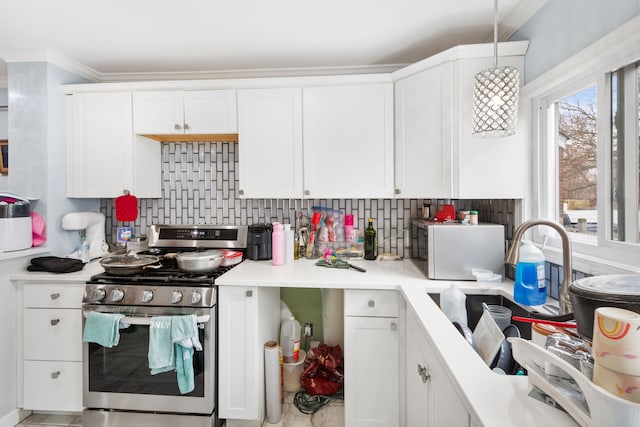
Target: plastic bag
column 324, row 371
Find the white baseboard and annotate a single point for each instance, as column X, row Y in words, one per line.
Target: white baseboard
column 14, row 417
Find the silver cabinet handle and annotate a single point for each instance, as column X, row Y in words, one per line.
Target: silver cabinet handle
column 55, row 374
column 55, row 296
column 394, row 326
column 307, row 192
column 249, row 294
column 397, row 191
column 54, row 322
column 241, row 192
column 422, row 371
column 177, row 127
column 371, row 303
column 186, row 126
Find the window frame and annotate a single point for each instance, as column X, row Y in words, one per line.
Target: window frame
column 593, row 65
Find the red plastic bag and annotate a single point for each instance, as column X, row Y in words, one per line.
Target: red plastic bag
column 324, row 371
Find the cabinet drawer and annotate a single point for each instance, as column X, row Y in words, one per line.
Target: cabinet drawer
column 52, row 334
column 52, row 386
column 371, row 303
column 53, row 296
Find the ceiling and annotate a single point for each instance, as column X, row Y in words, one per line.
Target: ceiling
column 139, row 39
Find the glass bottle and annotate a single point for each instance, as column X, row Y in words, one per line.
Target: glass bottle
column 370, row 242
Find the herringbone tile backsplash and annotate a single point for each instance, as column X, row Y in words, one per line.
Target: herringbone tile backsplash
column 200, row 186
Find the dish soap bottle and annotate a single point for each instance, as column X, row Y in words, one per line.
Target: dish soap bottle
column 370, row 242
column 529, row 287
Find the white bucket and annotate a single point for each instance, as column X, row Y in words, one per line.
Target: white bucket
column 291, row 373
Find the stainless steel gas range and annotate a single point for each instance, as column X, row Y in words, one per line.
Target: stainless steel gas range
column 118, row 388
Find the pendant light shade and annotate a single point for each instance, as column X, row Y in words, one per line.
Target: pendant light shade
column 495, row 95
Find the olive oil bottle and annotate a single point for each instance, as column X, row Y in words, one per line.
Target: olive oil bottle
column 370, row 242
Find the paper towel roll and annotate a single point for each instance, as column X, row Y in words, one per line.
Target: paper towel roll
column 616, row 340
column 273, row 381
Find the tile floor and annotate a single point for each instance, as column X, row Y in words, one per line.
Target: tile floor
column 331, row 415
column 40, row 420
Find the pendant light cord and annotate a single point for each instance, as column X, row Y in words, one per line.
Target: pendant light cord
column 495, row 33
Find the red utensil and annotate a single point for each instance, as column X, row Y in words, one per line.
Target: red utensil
column 546, row 322
column 126, row 207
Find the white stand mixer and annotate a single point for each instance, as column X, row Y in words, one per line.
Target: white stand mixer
column 91, row 227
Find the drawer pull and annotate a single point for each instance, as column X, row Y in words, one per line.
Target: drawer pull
column 394, row 326
column 422, row 371
column 54, row 322
column 249, row 294
column 186, row 126
column 177, row 127
column 371, row 303
column 55, row 296
column 55, row 375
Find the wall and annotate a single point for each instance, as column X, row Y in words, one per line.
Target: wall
column 200, row 185
column 37, row 155
column 562, row 28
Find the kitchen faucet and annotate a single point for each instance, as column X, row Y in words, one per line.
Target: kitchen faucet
column 512, row 256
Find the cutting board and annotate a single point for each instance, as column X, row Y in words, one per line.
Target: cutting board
column 126, row 207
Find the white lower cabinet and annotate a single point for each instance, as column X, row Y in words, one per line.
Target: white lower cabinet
column 431, row 400
column 51, row 351
column 249, row 316
column 371, row 359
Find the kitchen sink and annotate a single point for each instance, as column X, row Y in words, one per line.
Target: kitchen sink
column 474, row 310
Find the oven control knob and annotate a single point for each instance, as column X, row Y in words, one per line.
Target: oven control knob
column 196, row 297
column 176, row 297
column 117, row 295
column 146, row 295
column 97, row 295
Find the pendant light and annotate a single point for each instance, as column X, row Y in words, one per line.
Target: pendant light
column 495, row 95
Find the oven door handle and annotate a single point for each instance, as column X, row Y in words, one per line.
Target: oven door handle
column 146, row 320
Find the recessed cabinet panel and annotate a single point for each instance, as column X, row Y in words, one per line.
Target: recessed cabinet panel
column 270, row 142
column 348, row 141
column 180, row 112
column 423, row 146
column 100, row 147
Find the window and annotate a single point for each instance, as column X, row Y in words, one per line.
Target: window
column 586, row 130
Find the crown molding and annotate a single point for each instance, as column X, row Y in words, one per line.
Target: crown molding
column 52, row 57
column 251, row 73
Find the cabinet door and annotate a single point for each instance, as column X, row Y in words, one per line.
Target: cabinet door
column 52, row 334
column 158, row 112
column 100, row 144
column 248, row 317
column 371, row 371
column 423, row 147
column 52, row 386
column 348, row 141
column 210, row 111
column 432, row 400
column 270, row 142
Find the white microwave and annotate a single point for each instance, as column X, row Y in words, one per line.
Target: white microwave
column 449, row 251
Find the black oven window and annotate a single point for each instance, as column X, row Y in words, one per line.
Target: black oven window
column 125, row 368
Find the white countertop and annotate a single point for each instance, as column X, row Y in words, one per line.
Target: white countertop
column 492, row 400
column 81, row 276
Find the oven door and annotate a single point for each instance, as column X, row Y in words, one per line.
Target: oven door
column 119, row 377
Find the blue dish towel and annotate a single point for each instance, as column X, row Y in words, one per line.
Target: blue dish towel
column 161, row 352
column 184, row 334
column 102, row 328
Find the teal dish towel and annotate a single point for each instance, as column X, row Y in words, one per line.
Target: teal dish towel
column 102, row 328
column 184, row 333
column 161, row 352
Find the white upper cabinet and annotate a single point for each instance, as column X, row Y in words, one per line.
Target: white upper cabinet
column 348, row 141
column 103, row 156
column 423, row 134
column 270, row 142
column 436, row 153
column 180, row 112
